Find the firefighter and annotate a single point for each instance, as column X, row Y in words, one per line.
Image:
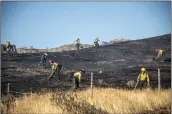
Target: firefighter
column 44, row 59
column 143, row 79
column 56, row 68
column 96, row 42
column 160, row 53
column 77, row 78
column 8, row 46
column 78, row 43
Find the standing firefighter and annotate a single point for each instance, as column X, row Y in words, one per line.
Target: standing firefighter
column 56, row 68
column 143, row 79
column 78, row 43
column 77, row 78
column 96, row 42
column 44, row 59
column 161, row 53
column 8, row 46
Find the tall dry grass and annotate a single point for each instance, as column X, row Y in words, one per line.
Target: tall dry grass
column 104, row 101
column 127, row 101
column 36, row 104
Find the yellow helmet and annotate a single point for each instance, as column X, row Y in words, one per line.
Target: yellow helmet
column 143, row 69
column 8, row 41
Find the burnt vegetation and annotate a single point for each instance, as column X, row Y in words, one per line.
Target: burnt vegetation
column 119, row 64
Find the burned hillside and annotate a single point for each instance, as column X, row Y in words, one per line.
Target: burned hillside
column 114, row 65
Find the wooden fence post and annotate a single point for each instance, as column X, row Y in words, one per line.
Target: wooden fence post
column 91, row 84
column 74, row 83
column 159, row 80
column 8, row 97
column 31, row 93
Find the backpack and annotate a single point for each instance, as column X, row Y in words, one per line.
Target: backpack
column 60, row 66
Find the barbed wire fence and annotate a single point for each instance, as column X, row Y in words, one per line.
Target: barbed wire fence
column 30, row 93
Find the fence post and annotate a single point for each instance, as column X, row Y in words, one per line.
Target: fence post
column 31, row 93
column 74, row 83
column 91, row 84
column 8, row 97
column 159, row 80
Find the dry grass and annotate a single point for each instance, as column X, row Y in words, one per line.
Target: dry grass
column 36, row 104
column 104, row 101
column 125, row 101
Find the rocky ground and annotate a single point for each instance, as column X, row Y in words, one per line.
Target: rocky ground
column 113, row 65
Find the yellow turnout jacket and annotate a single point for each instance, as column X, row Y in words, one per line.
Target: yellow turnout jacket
column 77, row 41
column 78, row 75
column 54, row 66
column 143, row 76
column 96, row 40
column 7, row 45
column 160, row 51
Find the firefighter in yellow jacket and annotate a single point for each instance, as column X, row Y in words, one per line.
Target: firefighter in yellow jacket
column 78, row 43
column 56, row 68
column 77, row 78
column 96, row 42
column 143, row 79
column 8, row 46
column 160, row 53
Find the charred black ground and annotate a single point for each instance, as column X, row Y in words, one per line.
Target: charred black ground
column 119, row 64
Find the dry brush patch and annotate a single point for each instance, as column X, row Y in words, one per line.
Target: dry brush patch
column 104, row 101
column 37, row 103
column 126, row 101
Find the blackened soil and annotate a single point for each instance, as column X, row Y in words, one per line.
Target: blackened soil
column 119, row 64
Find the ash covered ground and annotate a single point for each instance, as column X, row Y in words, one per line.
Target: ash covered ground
column 119, row 64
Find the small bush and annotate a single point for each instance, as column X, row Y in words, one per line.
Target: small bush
column 70, row 103
column 131, row 83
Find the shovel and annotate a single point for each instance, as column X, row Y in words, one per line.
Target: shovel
column 136, row 85
column 50, row 76
column 45, row 80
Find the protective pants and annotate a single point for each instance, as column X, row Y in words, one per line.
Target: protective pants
column 43, row 61
column 142, row 84
column 75, row 82
column 96, row 44
column 8, row 49
column 162, row 57
column 77, row 46
column 55, row 72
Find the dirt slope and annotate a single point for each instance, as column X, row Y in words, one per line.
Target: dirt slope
column 119, row 63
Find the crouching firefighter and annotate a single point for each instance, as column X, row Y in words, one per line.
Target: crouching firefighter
column 56, row 68
column 143, row 79
column 96, row 42
column 161, row 53
column 77, row 78
column 8, row 46
column 44, row 60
